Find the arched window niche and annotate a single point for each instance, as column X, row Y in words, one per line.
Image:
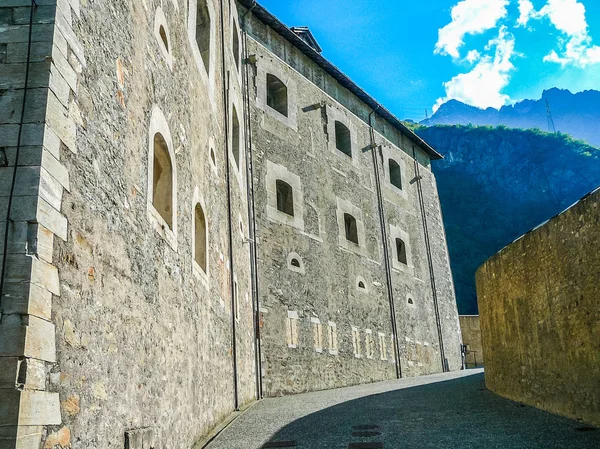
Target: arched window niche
column 200, row 237
column 235, row 45
column 161, row 32
column 162, row 178
column 295, row 263
column 361, row 284
column 235, row 136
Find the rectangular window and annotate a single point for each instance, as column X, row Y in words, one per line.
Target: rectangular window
column 382, row 347
column 291, row 327
column 332, row 334
column 356, row 342
column 369, row 343
column 317, row 334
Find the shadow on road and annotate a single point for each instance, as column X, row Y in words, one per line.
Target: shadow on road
column 458, row 413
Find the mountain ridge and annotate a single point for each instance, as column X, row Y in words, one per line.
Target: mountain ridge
column 576, row 114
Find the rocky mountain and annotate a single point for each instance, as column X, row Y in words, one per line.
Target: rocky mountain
column 495, row 184
column 575, row 114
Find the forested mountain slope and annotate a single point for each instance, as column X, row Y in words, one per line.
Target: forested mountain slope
column 495, row 184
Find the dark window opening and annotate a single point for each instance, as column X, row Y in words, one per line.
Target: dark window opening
column 162, row 186
column 200, row 237
column 361, row 284
column 395, row 174
column 351, row 229
column 401, row 251
column 343, row 142
column 410, row 301
column 163, row 37
column 236, row 46
column 212, row 156
column 285, row 197
column 203, row 32
column 277, row 97
column 235, row 138
column 295, row 263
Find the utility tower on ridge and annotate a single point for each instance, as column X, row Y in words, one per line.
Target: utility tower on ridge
column 551, row 126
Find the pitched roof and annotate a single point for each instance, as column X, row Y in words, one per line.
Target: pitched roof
column 269, row 19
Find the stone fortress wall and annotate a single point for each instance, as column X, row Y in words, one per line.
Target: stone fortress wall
column 540, row 320
column 128, row 304
column 339, row 287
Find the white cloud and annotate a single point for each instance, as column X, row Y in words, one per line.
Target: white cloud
column 469, row 17
column 483, row 85
column 473, row 56
column 526, row 12
column 568, row 17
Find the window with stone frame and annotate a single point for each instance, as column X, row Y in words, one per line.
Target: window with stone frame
column 291, row 328
column 356, row 342
column 277, row 95
column 395, row 173
column 401, row 251
column 332, row 338
column 317, row 334
column 382, row 347
column 162, row 192
column 350, row 228
column 285, row 197
column 343, row 141
column 369, row 343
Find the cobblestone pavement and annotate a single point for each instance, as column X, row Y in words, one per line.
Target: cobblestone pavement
column 452, row 410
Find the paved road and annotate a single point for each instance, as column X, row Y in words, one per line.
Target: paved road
column 452, row 410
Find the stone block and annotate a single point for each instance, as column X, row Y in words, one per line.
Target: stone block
column 27, row 181
column 61, row 64
column 32, row 374
column 20, row 33
column 11, row 105
column 59, row 87
column 41, row 14
column 65, row 28
column 12, row 76
column 25, row 298
column 32, row 134
column 9, row 367
column 21, row 437
column 27, row 335
column 17, row 51
column 28, row 238
column 61, row 124
column 52, row 219
column 39, row 408
column 56, row 169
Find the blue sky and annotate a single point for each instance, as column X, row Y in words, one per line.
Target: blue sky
column 414, row 55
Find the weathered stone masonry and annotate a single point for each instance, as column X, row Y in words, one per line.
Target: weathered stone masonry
column 340, row 283
column 540, row 320
column 124, row 286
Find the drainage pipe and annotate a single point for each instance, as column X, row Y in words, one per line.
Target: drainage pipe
column 386, row 251
column 251, row 207
column 430, row 261
column 225, row 76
